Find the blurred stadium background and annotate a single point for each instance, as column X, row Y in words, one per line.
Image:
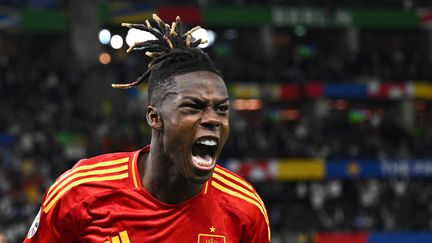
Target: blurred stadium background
column 331, row 100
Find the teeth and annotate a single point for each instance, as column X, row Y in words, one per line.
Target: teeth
column 203, row 161
column 208, row 142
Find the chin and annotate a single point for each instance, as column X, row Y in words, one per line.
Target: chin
column 201, row 177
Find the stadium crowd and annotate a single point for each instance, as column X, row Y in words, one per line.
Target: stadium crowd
column 44, row 130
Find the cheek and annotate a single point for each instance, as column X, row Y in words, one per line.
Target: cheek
column 225, row 130
column 173, row 144
column 178, row 131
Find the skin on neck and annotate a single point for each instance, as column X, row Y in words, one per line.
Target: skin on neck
column 161, row 178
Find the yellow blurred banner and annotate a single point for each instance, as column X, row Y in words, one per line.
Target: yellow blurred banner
column 423, row 90
column 132, row 18
column 300, row 169
column 245, row 91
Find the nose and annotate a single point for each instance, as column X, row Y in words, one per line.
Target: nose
column 210, row 119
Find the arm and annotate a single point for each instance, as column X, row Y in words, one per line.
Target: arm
column 260, row 230
column 256, row 227
column 51, row 226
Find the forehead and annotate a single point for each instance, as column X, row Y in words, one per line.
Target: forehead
column 200, row 83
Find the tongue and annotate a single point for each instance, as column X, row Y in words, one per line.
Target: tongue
column 203, row 161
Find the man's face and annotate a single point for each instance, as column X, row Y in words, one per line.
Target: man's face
column 195, row 123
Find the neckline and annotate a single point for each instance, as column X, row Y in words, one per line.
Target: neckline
column 138, row 184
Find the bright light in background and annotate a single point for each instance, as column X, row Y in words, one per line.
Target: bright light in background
column 204, row 35
column 135, row 35
column 104, row 58
column 104, row 36
column 116, row 42
column 247, row 104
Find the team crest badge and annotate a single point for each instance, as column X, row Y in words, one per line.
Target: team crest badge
column 210, row 238
column 34, row 226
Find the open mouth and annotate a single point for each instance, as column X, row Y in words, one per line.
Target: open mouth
column 204, row 153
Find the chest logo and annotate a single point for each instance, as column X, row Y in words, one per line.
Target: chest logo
column 211, row 238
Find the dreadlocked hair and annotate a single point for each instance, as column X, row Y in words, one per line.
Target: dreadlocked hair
column 172, row 53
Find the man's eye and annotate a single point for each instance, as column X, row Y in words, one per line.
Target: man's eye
column 223, row 108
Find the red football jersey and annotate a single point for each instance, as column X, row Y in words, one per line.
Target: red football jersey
column 101, row 200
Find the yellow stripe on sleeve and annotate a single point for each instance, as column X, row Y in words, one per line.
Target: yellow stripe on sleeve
column 259, row 199
column 238, row 195
column 235, row 178
column 83, row 174
column 82, row 181
column 245, row 191
column 242, row 189
column 87, row 167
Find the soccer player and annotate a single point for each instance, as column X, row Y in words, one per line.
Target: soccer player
column 171, row 190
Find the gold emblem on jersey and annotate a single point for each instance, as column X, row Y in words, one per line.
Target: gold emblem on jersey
column 210, row 238
column 212, row 229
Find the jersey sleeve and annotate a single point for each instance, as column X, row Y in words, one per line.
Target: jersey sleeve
column 51, row 226
column 259, row 230
column 244, row 202
column 63, row 209
column 58, row 214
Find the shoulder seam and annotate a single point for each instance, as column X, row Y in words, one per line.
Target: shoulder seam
column 252, row 220
column 242, row 190
column 246, row 198
column 260, row 206
column 233, row 176
column 87, row 167
column 249, row 190
column 236, row 209
column 66, row 183
column 51, row 203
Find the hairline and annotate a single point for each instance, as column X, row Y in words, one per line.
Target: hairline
column 172, row 83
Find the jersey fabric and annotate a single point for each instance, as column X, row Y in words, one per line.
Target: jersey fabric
column 101, row 199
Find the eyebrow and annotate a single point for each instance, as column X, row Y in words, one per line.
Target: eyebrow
column 199, row 100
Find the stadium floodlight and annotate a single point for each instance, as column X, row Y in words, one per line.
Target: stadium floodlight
column 116, row 42
column 104, row 58
column 205, row 35
column 135, row 35
column 104, row 36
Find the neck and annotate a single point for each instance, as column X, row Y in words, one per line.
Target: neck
column 162, row 180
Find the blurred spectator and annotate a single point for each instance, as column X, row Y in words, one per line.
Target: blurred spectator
column 3, row 238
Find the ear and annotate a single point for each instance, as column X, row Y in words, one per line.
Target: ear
column 153, row 118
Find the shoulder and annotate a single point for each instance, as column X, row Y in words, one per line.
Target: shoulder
column 91, row 176
column 236, row 193
column 240, row 198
